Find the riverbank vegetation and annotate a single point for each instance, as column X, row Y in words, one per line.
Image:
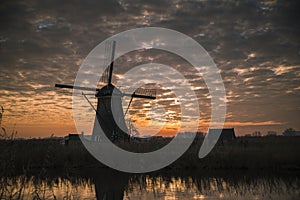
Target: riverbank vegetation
column 254, row 154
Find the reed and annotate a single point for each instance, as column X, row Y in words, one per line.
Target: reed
column 261, row 153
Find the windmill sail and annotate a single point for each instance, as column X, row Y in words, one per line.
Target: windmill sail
column 145, row 92
column 142, row 93
column 110, row 47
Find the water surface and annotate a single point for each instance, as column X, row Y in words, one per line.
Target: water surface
column 114, row 185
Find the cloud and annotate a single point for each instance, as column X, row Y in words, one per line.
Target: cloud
column 281, row 69
column 264, row 123
column 255, row 44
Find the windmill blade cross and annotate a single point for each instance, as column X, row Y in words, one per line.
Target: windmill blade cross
column 143, row 96
column 142, row 93
column 76, row 87
column 128, row 106
column 110, row 47
column 112, row 61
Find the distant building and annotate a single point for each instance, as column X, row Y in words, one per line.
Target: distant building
column 227, row 134
column 71, row 139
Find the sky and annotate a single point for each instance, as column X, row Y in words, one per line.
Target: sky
column 255, row 44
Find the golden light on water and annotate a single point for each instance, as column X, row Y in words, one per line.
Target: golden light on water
column 150, row 188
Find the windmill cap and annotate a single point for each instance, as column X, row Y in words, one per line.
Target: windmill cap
column 108, row 90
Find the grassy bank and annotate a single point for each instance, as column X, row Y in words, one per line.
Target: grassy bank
column 261, row 153
column 264, row 153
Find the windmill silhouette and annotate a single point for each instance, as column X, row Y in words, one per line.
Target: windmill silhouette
column 109, row 111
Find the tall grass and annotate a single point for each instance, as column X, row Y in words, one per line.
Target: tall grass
column 44, row 155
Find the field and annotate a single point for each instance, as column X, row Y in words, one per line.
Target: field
column 250, row 154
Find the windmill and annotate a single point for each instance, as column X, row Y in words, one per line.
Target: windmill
column 109, row 111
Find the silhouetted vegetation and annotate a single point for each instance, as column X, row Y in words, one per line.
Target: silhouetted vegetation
column 264, row 153
column 289, row 132
column 39, row 167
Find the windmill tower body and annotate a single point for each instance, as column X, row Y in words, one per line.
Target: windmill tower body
column 110, row 115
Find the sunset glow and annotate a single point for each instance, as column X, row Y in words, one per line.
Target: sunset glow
column 256, row 51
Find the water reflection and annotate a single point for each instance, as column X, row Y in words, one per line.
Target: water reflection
column 213, row 188
column 23, row 187
column 110, row 184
